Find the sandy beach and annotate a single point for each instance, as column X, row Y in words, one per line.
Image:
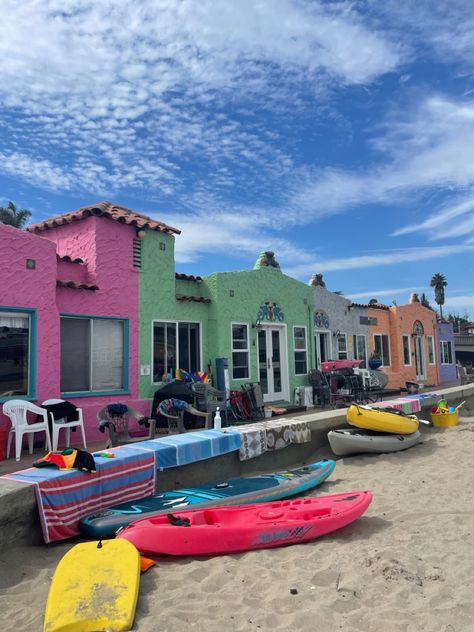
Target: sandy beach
column 407, row 565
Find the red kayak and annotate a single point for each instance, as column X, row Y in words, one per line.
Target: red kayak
column 245, row 527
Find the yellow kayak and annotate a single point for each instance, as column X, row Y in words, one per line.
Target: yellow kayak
column 381, row 420
column 94, row 588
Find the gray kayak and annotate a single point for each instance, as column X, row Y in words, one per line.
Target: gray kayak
column 356, row 441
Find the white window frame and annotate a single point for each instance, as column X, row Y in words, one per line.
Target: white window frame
column 31, row 367
column 407, row 337
column 171, row 321
column 431, row 348
column 247, row 350
column 301, row 351
column 446, row 344
column 381, row 346
column 341, row 334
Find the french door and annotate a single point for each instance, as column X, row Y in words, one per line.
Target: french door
column 420, row 358
column 322, row 347
column 273, row 363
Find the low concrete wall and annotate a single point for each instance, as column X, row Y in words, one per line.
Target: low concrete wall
column 19, row 520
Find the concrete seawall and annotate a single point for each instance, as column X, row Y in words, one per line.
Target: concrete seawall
column 19, row 520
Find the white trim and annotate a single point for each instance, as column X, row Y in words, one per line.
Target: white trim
column 381, row 346
column 175, row 322
column 305, row 350
column 432, row 338
column 342, row 333
column 409, row 349
column 446, row 343
column 285, row 381
column 355, row 349
column 249, row 366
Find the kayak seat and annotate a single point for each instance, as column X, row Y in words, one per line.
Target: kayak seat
column 211, row 517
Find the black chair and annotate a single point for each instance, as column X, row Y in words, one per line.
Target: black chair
column 322, row 395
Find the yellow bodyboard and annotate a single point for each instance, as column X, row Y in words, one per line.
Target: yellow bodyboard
column 94, row 588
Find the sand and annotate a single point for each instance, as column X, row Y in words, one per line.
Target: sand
column 406, row 565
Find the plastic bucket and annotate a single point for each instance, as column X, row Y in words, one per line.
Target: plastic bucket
column 3, row 441
column 444, row 420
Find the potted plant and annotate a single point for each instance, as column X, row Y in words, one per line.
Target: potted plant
column 375, row 361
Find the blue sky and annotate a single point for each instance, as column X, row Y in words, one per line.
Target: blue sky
column 338, row 134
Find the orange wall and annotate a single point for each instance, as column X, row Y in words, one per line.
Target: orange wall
column 396, row 322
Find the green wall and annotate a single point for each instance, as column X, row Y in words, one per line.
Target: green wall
column 235, row 297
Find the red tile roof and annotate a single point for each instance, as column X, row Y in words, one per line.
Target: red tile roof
column 76, row 285
column 196, row 299
column 187, row 277
column 374, row 306
column 69, row 259
column 105, row 209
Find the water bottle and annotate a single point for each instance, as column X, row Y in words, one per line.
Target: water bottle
column 217, row 420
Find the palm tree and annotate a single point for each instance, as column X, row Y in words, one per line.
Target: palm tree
column 439, row 282
column 13, row 216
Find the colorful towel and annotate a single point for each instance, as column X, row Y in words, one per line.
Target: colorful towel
column 273, row 434
column 408, row 405
column 65, row 497
column 181, row 449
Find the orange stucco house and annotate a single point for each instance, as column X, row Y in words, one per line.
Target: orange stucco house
column 404, row 337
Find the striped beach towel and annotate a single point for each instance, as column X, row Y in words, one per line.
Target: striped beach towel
column 64, row 497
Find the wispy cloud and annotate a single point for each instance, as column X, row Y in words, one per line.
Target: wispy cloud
column 126, row 95
column 399, row 291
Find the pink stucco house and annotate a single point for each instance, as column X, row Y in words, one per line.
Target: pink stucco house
column 69, row 309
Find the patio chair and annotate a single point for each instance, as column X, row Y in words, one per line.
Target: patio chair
column 173, row 411
column 115, row 419
column 254, row 394
column 208, row 399
column 58, row 424
column 17, row 410
column 321, row 388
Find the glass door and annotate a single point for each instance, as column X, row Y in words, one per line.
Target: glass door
column 272, row 363
column 321, row 348
column 420, row 358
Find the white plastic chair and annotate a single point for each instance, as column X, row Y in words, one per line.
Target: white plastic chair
column 58, row 424
column 17, row 410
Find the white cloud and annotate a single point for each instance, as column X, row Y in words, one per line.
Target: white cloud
column 399, row 291
column 143, row 88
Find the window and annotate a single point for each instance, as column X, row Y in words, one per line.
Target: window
column 175, row 345
column 406, row 350
column 446, row 352
column 301, row 364
column 341, row 347
column 360, row 349
column 240, row 351
column 15, row 362
column 382, row 348
column 92, row 354
column 431, row 351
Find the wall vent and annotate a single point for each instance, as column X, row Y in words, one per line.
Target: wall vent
column 137, row 253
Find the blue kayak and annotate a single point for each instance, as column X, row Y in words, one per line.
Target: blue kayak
column 236, row 491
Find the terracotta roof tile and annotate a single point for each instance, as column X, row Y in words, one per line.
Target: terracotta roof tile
column 374, row 306
column 69, row 259
column 196, row 299
column 106, row 209
column 76, row 285
column 187, row 277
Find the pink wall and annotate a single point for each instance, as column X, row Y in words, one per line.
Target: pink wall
column 106, row 247
column 22, row 287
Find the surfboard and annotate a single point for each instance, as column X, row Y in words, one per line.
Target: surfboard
column 236, row 491
column 94, row 588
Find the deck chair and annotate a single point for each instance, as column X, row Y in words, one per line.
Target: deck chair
column 254, row 395
column 209, row 399
column 17, row 410
column 173, row 411
column 117, row 424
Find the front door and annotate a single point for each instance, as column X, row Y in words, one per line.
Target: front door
column 322, row 348
column 272, row 363
column 420, row 357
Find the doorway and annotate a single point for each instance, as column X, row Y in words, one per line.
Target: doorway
column 322, row 348
column 273, row 363
column 419, row 357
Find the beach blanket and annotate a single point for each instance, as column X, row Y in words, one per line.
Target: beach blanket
column 408, row 405
column 63, row 497
column 274, row 434
column 181, row 449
